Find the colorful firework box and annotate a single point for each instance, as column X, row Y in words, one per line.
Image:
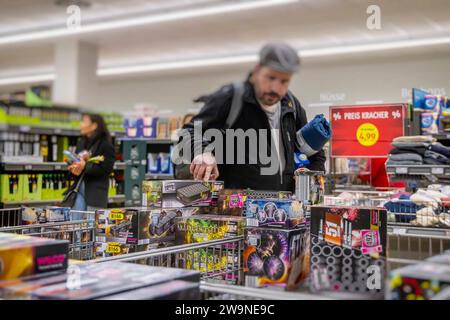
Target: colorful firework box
column 45, row 215
column 232, row 201
column 274, row 257
column 422, row 281
column 127, row 226
column 283, row 214
column 151, row 190
column 348, row 244
column 94, row 281
column 207, row 227
column 133, row 228
column 186, row 193
column 24, row 256
column 220, row 265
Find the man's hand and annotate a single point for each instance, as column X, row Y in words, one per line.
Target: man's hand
column 77, row 167
column 204, row 167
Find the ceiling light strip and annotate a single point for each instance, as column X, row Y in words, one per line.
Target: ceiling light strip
column 139, row 21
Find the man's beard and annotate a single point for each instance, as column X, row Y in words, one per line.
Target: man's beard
column 270, row 98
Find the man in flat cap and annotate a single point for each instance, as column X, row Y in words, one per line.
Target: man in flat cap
column 262, row 103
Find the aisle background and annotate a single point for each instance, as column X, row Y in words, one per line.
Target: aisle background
column 339, row 79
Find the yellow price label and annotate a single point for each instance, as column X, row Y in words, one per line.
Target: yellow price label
column 113, row 248
column 116, row 215
column 367, row 134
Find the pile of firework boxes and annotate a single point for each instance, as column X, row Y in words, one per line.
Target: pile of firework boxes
column 275, row 241
column 348, row 250
column 127, row 230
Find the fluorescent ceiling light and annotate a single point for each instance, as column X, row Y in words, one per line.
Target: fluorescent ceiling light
column 392, row 45
column 139, row 21
column 27, row 79
column 234, row 60
column 176, row 65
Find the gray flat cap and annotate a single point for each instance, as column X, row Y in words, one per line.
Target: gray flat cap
column 280, row 57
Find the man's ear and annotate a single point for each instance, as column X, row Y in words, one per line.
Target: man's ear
column 256, row 68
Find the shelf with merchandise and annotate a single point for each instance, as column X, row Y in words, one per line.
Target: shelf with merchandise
column 419, row 170
column 44, row 166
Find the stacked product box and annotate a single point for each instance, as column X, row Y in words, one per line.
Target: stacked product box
column 96, row 281
column 120, row 231
column 221, row 262
column 22, row 256
column 232, row 201
column 203, row 228
column 283, row 214
column 276, row 257
column 276, row 242
column 181, row 193
column 348, row 250
column 45, row 215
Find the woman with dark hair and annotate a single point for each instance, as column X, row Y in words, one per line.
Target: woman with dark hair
column 95, row 141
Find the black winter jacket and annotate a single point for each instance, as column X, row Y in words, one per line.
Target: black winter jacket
column 96, row 177
column 214, row 115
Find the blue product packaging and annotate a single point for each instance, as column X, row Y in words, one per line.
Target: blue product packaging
column 154, row 163
column 429, row 123
column 165, row 162
column 431, row 103
column 272, row 213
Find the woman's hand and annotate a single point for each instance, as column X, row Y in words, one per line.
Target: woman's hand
column 77, row 168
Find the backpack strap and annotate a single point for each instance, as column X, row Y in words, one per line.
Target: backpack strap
column 236, row 104
column 292, row 100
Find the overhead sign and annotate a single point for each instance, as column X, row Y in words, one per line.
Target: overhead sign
column 365, row 131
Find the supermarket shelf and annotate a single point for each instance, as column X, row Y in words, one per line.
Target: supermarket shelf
column 347, row 174
column 75, row 132
column 14, row 204
column 44, row 166
column 120, row 198
column 158, row 176
column 149, row 140
column 40, row 130
column 419, row 170
column 418, row 232
column 442, row 136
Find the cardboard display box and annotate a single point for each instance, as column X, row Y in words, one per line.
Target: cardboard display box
column 151, row 193
column 275, row 257
column 207, row 227
column 94, row 281
column 231, row 202
column 186, row 193
column 139, row 226
column 347, row 245
column 22, row 256
column 283, row 214
column 127, row 226
column 44, row 215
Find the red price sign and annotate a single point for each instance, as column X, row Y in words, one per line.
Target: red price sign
column 365, row 131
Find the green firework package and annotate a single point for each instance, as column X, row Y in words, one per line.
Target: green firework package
column 207, row 227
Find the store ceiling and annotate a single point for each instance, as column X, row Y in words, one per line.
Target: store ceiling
column 306, row 24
